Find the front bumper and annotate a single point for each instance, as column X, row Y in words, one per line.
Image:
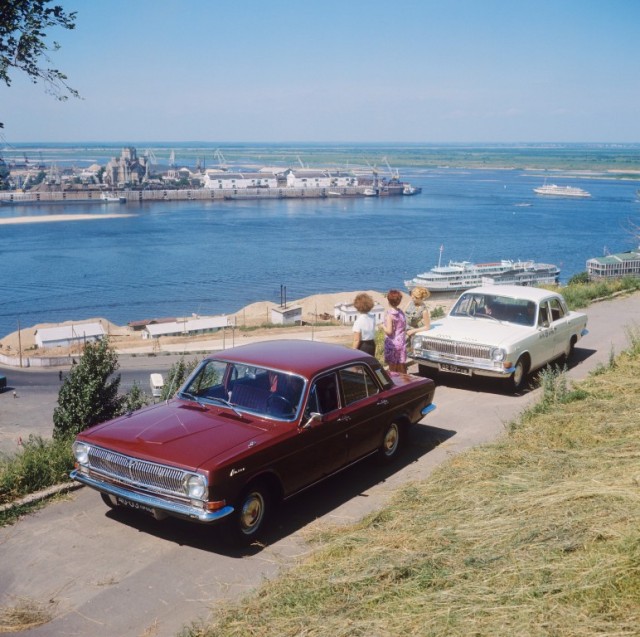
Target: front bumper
column 462, row 365
column 151, row 503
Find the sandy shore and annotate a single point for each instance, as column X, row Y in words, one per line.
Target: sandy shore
column 5, row 221
column 316, row 308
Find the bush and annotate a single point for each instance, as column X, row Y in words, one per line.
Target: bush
column 41, row 464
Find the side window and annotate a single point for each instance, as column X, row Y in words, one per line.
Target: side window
column 356, row 384
column 323, row 396
column 543, row 316
column 557, row 311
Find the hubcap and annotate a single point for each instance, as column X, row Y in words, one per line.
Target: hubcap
column 252, row 513
column 391, row 440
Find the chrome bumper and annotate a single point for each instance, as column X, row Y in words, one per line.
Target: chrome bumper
column 475, row 367
column 152, row 503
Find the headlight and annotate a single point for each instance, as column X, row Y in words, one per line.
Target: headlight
column 417, row 342
column 498, row 354
column 195, row 486
column 81, row 452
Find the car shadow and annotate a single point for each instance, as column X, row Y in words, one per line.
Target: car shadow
column 300, row 510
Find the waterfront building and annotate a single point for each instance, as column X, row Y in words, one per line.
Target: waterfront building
column 216, row 179
column 186, row 327
column 614, row 266
column 126, row 169
column 346, row 313
column 68, row 335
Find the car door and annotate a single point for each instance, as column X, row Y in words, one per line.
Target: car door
column 544, row 350
column 365, row 410
column 559, row 326
column 322, row 445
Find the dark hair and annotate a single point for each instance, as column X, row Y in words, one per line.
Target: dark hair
column 394, row 297
column 363, row 303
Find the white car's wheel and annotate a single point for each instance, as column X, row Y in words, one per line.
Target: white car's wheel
column 519, row 376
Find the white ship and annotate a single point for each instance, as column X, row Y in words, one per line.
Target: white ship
column 462, row 275
column 561, row 191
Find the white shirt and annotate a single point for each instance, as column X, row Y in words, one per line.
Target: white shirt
column 366, row 325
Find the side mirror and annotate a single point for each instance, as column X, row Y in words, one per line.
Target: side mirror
column 314, row 418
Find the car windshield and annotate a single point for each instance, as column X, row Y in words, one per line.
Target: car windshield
column 494, row 307
column 259, row 390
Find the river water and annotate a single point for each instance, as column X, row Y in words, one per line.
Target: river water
column 175, row 259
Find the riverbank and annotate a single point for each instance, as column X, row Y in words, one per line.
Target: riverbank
column 252, row 322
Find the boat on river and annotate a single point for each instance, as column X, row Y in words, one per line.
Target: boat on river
column 108, row 197
column 462, row 275
column 561, row 191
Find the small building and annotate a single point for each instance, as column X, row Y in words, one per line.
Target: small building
column 188, row 326
column 214, row 180
column 68, row 335
column 283, row 315
column 346, row 313
column 614, row 266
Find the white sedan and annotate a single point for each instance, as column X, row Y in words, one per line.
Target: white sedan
column 504, row 331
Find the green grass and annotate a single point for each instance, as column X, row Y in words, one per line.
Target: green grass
column 535, row 534
column 39, row 464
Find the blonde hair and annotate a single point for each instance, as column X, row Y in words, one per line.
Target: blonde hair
column 420, row 294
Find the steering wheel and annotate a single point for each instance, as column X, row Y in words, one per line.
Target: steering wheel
column 278, row 405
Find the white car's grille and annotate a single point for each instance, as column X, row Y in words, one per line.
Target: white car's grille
column 456, row 349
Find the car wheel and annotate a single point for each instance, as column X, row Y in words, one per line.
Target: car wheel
column 249, row 518
column 107, row 500
column 427, row 372
column 391, row 442
column 518, row 377
column 568, row 351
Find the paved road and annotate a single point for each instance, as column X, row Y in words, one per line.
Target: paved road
column 112, row 573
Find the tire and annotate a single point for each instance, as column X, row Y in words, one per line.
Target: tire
column 392, row 441
column 107, row 500
column 516, row 381
column 568, row 352
column 427, row 372
column 249, row 519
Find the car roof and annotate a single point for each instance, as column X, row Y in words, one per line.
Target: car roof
column 305, row 358
column 515, row 291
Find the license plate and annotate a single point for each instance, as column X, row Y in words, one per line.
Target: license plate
column 134, row 505
column 454, row 369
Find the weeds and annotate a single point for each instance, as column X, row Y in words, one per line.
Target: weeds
column 40, row 463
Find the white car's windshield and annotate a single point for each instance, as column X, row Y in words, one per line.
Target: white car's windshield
column 494, row 307
column 258, row 390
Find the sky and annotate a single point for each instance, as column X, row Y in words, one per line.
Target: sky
column 429, row 71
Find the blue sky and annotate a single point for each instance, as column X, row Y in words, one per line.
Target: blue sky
column 339, row 70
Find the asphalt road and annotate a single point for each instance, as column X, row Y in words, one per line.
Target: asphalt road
column 107, row 573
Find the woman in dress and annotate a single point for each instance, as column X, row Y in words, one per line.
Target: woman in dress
column 417, row 312
column 364, row 327
column 395, row 329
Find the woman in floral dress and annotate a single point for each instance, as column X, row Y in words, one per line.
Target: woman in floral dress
column 395, row 329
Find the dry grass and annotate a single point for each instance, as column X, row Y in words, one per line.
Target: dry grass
column 537, row 534
column 24, row 615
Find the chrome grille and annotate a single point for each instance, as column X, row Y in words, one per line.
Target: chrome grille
column 456, row 349
column 137, row 472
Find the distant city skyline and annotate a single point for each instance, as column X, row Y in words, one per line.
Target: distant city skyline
column 460, row 71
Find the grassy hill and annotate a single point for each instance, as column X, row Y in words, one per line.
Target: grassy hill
column 536, row 534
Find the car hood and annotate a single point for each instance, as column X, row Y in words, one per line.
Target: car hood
column 178, row 433
column 479, row 331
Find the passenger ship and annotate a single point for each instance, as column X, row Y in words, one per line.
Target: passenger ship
column 561, row 191
column 462, row 275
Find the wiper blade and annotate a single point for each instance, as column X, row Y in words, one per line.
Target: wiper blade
column 195, row 399
column 226, row 403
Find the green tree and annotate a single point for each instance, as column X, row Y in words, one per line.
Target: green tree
column 89, row 394
column 176, row 376
column 134, row 399
column 24, row 47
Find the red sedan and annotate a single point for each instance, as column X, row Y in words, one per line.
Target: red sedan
column 252, row 425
